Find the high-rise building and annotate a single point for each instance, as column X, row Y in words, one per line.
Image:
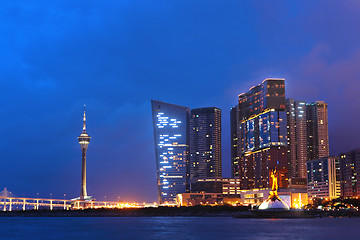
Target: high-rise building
column 172, row 137
column 234, row 140
column 350, row 173
column 323, row 178
column 317, row 130
column 205, row 143
column 262, row 134
column 307, row 136
column 297, row 137
column 84, row 140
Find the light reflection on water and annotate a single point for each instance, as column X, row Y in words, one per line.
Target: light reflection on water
column 177, row 228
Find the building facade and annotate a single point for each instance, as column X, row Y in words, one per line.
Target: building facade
column 212, row 199
column 323, row 178
column 261, row 125
column 205, row 143
column 226, row 186
column 297, row 138
column 349, row 173
column 172, row 138
column 234, row 140
column 207, row 185
column 317, row 130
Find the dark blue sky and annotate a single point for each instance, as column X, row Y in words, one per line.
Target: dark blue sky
column 115, row 56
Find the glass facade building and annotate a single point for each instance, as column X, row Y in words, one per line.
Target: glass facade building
column 264, row 130
column 259, row 135
column 171, row 132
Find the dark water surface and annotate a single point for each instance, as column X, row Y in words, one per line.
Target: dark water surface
column 172, row 228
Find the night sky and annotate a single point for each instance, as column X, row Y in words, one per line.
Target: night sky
column 115, row 56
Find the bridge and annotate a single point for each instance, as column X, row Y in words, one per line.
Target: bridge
column 9, row 202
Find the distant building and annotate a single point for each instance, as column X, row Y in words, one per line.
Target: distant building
column 226, row 186
column 297, row 182
column 323, row 178
column 232, row 187
column 207, row 185
column 260, row 125
column 194, row 199
column 317, row 130
column 297, row 138
column 254, row 196
column 171, row 133
column 205, row 143
column 235, row 146
column 350, row 173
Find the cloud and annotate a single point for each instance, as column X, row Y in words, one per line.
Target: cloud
column 321, row 76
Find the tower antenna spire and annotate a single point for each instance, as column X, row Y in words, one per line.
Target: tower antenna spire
column 84, row 119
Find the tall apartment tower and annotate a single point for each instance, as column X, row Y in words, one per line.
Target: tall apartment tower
column 262, row 134
column 297, row 137
column 350, row 173
column 205, row 143
column 172, row 137
column 234, row 140
column 317, row 130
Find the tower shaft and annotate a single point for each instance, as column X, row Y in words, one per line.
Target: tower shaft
column 83, row 193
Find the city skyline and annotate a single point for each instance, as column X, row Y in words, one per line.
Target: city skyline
column 115, row 57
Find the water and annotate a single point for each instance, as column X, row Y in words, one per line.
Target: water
column 168, row 228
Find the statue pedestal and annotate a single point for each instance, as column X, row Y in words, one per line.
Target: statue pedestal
column 274, row 204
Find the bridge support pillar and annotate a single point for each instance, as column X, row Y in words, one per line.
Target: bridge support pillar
column 4, row 204
column 37, row 204
column 24, row 208
column 64, row 205
column 51, row 205
column 10, row 204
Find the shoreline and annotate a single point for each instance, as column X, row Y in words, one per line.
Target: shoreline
column 197, row 211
